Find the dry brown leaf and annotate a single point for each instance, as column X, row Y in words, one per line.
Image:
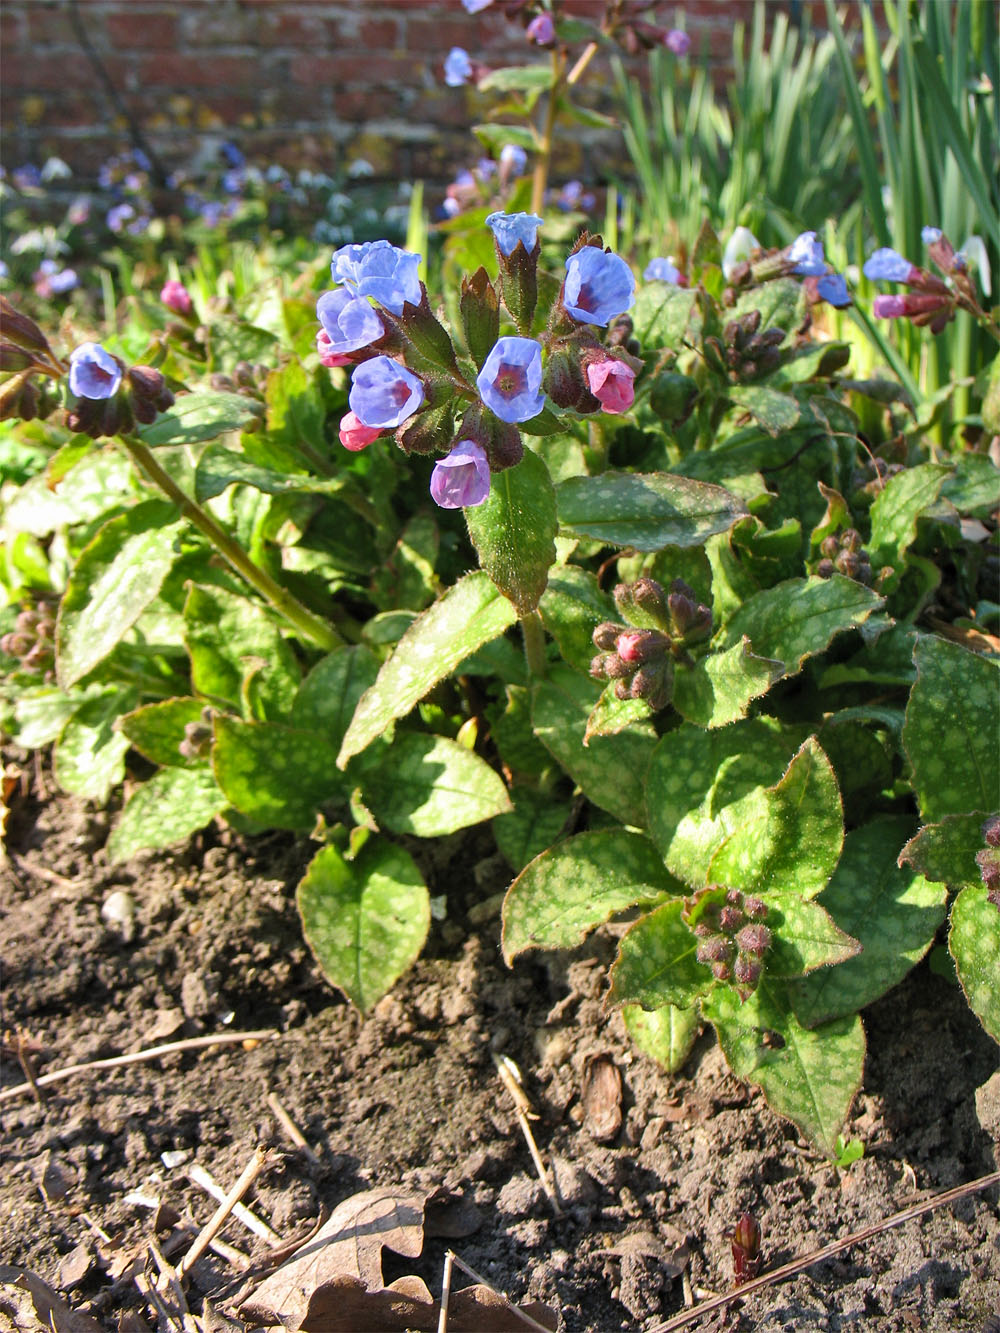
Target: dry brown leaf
column 480, row 1309
column 39, row 1307
column 602, row 1098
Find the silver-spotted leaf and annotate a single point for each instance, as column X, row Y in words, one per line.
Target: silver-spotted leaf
column 514, row 531
column 646, row 511
column 656, row 963
column 974, row 941
column 172, row 805
column 276, row 774
column 719, row 688
column 429, row 786
column 798, row 618
column 666, row 1034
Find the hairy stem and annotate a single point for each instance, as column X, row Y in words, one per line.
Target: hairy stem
column 534, row 644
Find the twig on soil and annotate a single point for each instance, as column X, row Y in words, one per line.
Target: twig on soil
column 856, row 1238
column 290, row 1127
column 152, row 1053
column 24, row 1060
column 478, row 1277
column 509, row 1077
column 260, row 1159
column 449, row 1261
column 199, row 1176
column 228, row 1252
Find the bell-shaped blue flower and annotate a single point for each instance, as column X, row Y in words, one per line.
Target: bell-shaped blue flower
column 833, row 289
column 457, row 67
column 661, row 270
column 888, row 265
column 93, row 372
column 806, row 253
column 384, row 393
column 462, row 479
column 509, row 228
column 382, row 271
column 510, row 382
column 349, row 321
column 598, row 286
column 931, row 235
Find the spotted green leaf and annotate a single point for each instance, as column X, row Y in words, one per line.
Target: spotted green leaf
column 974, row 942
column 788, row 837
column 776, row 412
column 645, row 511
column 365, row 919
column 429, row 786
column 610, row 770
column 533, row 825
column 567, row 891
column 892, row 912
column 720, row 687
column 514, row 531
column 572, row 607
column 951, row 729
column 172, row 805
column 799, row 618
column 89, row 756
column 469, row 614
column 946, row 851
column 116, row 577
column 894, row 515
column 666, row 1034
column 809, row 1076
column 157, row 730
column 326, row 699
column 219, row 468
column 611, row 715
column 202, row 415
column 238, row 653
column 276, row 774
column 656, row 963
column 805, row 937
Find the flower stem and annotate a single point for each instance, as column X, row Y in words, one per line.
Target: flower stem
column 543, row 158
column 310, row 626
column 534, row 644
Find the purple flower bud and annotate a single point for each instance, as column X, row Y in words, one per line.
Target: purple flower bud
column 730, row 918
column 384, row 393
column 677, row 41
column 379, row 270
column 931, row 235
column 714, row 950
column 541, row 30
column 755, row 908
column 510, row 228
column 754, row 939
column 888, row 265
column 908, row 306
column 661, row 270
column 457, row 67
column 598, row 286
column 746, row 971
column 511, row 378
column 889, row 307
column 806, row 253
column 833, row 289
column 93, row 372
column 349, row 322
column 176, row 297
column 462, row 479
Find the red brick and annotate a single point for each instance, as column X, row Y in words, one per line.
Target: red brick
column 380, row 35
column 202, row 71
column 374, row 71
column 424, row 34
column 50, row 25
column 307, row 31
column 131, row 31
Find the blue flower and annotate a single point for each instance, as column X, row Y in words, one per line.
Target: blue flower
column 661, row 270
column 93, row 372
column 677, row 41
column 510, row 382
column 509, row 228
column 119, row 215
column 888, row 265
column 474, row 6
column 457, row 67
column 379, row 270
column 598, row 286
column 462, row 479
column 930, row 235
column 349, row 321
column 806, row 253
column 833, row 289
column 384, row 393
column 513, row 159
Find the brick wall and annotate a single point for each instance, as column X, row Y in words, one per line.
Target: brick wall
column 303, row 82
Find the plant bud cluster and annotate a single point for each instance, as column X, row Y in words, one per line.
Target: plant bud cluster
column 744, row 353
column 844, row 554
column 988, row 860
column 247, row 378
column 143, row 394
column 640, row 656
column 732, row 936
column 32, row 640
column 197, row 736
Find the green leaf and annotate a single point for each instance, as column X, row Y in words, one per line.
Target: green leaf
column 974, row 942
column 89, row 756
column 328, row 696
column 781, row 304
column 789, row 836
column 42, row 712
column 805, row 937
column 157, row 730
column 533, row 825
column 278, row 775
column 656, row 962
column 202, row 415
column 775, row 411
column 495, row 137
column 469, row 614
column 572, row 607
column 295, row 408
column 812, row 1078
column 610, row 770
column 611, row 715
column 172, row 805
column 238, row 653
column 514, row 531
column 666, row 1034
column 799, row 618
column 700, row 784
column 516, row 78
column 894, row 514
column 662, row 313
column 974, row 488
column 893, row 913
column 219, row 468
column 951, row 729
column 365, row 920
column 946, row 851
column 564, row 893
column 646, row 511
column 116, row 577
column 719, row 688
column 430, row 786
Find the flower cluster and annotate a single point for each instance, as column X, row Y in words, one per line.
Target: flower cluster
column 732, row 936
column 843, row 553
column 988, row 860
column 32, row 640
column 110, row 397
column 930, row 301
column 746, row 264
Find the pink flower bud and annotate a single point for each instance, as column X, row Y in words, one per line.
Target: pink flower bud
column 354, row 434
column 541, row 30
column 176, row 297
column 327, row 356
column 613, row 385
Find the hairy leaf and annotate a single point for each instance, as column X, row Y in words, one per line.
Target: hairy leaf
column 172, row 805
column 645, row 511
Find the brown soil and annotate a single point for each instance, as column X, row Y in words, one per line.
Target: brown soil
column 410, row 1097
